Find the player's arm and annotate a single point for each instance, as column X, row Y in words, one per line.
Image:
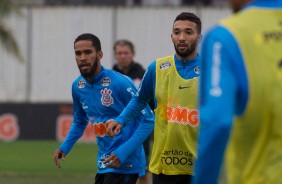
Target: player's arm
column 219, row 91
column 77, row 128
column 144, row 129
column 145, row 126
column 136, row 103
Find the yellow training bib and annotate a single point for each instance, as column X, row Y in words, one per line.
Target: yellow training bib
column 176, row 124
column 255, row 151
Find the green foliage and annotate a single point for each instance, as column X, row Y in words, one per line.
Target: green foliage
column 6, row 7
column 6, row 37
column 31, row 162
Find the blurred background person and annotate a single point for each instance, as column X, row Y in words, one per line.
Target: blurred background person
column 242, row 76
column 124, row 52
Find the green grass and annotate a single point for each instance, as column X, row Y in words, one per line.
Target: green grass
column 30, row 162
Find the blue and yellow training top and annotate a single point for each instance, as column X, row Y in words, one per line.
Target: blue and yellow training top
column 242, row 75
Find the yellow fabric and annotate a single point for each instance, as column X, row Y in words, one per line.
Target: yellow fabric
column 176, row 124
column 255, row 151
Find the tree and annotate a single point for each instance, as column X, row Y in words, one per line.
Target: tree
column 7, row 40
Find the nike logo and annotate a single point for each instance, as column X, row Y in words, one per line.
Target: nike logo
column 183, row 87
column 280, row 64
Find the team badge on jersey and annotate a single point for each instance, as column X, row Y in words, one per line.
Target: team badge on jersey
column 106, row 98
column 197, row 70
column 106, row 81
column 81, row 83
column 165, row 65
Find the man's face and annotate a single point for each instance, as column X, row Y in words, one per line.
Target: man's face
column 185, row 38
column 86, row 57
column 123, row 55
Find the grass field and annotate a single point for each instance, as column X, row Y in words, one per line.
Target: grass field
column 30, row 162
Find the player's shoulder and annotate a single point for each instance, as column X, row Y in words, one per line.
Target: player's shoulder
column 152, row 65
column 219, row 34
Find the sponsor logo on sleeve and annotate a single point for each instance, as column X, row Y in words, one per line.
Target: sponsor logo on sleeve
column 84, row 106
column 216, row 71
column 131, row 91
column 81, row 83
column 197, row 70
column 165, row 65
column 106, row 81
column 106, row 98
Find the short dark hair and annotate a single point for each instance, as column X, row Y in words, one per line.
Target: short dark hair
column 124, row 42
column 191, row 17
column 88, row 36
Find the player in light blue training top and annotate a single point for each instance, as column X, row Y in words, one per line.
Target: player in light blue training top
column 100, row 94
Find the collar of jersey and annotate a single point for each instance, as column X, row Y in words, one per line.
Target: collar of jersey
column 188, row 62
column 97, row 78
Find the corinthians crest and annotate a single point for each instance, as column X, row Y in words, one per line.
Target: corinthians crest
column 106, row 98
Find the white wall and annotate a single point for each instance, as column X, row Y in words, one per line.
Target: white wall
column 13, row 73
column 54, row 31
column 46, row 35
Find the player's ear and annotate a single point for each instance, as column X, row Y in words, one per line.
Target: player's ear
column 199, row 38
column 99, row 55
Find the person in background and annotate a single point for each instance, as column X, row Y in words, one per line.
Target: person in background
column 99, row 94
column 241, row 96
column 124, row 53
column 172, row 82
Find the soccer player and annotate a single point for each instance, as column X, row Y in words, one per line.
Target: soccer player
column 100, row 94
column 124, row 52
column 172, row 82
column 242, row 75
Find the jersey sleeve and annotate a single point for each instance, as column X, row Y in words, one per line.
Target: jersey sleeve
column 145, row 123
column 144, row 129
column 78, row 126
column 221, row 96
column 139, row 101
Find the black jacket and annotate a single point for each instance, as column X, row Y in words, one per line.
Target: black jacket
column 135, row 71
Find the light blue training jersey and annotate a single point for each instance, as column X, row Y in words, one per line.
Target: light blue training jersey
column 103, row 100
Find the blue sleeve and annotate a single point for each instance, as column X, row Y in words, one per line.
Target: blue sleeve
column 144, row 129
column 144, row 94
column 78, row 125
column 145, row 123
column 223, row 93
